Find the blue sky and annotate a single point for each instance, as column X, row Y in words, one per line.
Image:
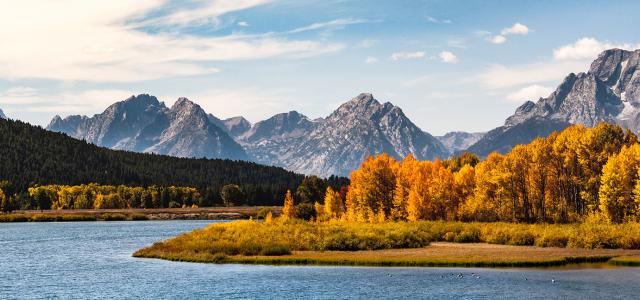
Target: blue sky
column 450, row 65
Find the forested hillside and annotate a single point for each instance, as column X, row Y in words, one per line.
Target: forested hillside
column 31, row 156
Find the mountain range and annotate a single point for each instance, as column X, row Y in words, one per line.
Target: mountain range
column 608, row 92
column 334, row 145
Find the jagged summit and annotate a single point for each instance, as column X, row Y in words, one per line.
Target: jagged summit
column 608, row 92
column 144, row 124
column 2, row 115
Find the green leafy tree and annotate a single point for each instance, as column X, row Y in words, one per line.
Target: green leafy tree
column 311, row 189
column 232, row 195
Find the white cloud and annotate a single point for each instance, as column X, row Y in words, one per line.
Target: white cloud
column 438, row 21
column 338, row 23
column 587, row 48
column 19, row 91
column 498, row 39
column 500, row 76
column 243, row 24
column 100, row 42
column 532, row 92
column 407, row 55
column 517, row 28
column 80, row 102
column 448, row 57
column 371, row 60
column 207, row 12
column 367, row 44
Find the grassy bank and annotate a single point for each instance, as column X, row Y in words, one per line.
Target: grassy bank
column 213, row 213
column 631, row 261
column 401, row 244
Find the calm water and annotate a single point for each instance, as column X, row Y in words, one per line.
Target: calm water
column 93, row 260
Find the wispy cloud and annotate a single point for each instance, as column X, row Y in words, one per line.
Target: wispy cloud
column 407, row 55
column 367, row 43
column 96, row 41
column 371, row 60
column 438, row 21
column 338, row 23
column 243, row 24
column 205, row 12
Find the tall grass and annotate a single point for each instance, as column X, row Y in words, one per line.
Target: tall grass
column 249, row 238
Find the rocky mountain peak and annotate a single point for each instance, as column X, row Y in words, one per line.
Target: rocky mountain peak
column 2, row 115
column 142, row 123
column 236, row 126
column 608, row 92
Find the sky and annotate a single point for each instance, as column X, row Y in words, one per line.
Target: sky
column 450, row 65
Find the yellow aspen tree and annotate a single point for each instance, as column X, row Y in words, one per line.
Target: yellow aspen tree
column 333, row 207
column 619, row 178
column 319, row 211
column 289, row 209
column 404, row 181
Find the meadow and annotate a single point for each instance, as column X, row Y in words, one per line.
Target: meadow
column 422, row 243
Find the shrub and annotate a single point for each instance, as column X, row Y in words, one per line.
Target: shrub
column 275, row 250
column 522, row 238
column 113, row 217
column 468, row 236
column 449, row 236
column 138, row 217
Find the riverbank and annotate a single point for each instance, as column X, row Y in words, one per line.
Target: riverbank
column 439, row 254
column 71, row 215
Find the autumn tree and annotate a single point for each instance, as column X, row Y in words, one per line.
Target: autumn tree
column 619, row 179
column 289, row 210
column 333, row 206
column 372, row 188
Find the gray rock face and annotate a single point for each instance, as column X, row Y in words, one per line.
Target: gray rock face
column 327, row 146
column 457, row 141
column 143, row 124
column 2, row 116
column 608, row 92
column 235, row 126
column 339, row 143
column 269, row 141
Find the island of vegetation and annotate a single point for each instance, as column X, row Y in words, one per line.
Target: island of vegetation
column 569, row 198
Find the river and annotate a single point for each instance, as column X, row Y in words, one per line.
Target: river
column 92, row 260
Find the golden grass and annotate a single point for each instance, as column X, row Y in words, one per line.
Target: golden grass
column 633, row 261
column 400, row 244
column 435, row 255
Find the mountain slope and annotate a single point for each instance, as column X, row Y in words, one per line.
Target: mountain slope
column 2, row 116
column 608, row 92
column 457, row 141
column 143, row 124
column 359, row 127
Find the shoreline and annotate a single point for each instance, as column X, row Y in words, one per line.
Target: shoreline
column 440, row 254
column 137, row 214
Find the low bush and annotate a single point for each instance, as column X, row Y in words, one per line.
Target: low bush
column 113, row 217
